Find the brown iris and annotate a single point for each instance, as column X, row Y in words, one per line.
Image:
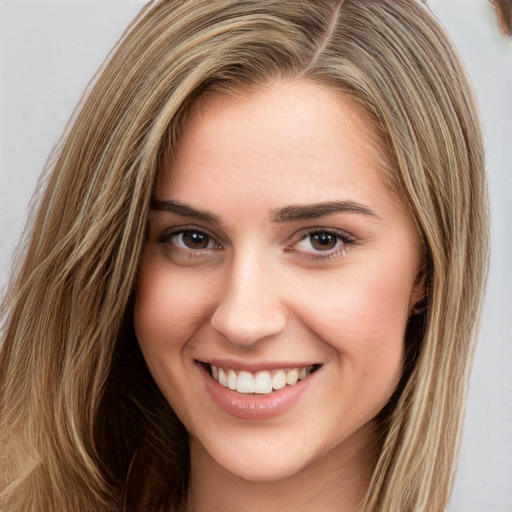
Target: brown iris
column 195, row 240
column 323, row 241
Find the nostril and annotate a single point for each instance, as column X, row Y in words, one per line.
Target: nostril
column 245, row 324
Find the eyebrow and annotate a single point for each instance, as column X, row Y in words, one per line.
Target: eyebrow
column 287, row 214
column 314, row 211
column 184, row 210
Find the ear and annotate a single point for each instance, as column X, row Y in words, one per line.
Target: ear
column 418, row 298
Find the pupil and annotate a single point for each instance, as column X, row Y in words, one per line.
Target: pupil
column 195, row 240
column 323, row 241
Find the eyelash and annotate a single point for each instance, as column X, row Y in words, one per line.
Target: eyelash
column 166, row 239
column 343, row 242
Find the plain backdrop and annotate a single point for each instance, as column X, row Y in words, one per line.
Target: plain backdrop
column 49, row 50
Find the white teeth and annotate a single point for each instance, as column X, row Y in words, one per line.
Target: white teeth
column 232, row 380
column 292, row 377
column 263, row 382
column 279, row 380
column 245, row 382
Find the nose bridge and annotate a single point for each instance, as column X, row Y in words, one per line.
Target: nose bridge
column 251, row 308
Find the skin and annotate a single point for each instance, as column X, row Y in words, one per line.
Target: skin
column 263, row 291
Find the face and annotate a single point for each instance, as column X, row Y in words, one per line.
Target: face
column 276, row 281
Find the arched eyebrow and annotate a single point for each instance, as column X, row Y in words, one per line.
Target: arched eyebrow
column 184, row 210
column 313, row 211
column 290, row 213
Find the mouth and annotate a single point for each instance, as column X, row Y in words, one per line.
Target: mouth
column 262, row 382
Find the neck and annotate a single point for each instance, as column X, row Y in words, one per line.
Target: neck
column 337, row 481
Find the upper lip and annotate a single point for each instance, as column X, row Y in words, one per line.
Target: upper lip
column 253, row 367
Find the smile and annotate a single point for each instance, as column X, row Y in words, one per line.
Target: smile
column 257, row 394
column 262, row 382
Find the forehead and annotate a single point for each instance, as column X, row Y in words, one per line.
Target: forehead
column 288, row 133
column 287, row 105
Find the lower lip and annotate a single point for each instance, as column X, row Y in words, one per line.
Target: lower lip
column 256, row 407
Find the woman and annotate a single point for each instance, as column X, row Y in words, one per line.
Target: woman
column 253, row 279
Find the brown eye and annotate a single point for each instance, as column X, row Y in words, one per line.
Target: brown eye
column 189, row 239
column 323, row 241
column 194, row 240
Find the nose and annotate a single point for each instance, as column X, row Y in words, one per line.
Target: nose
column 251, row 308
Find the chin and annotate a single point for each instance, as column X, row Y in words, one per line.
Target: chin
column 267, row 469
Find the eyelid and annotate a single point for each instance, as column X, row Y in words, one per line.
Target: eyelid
column 346, row 238
column 165, row 236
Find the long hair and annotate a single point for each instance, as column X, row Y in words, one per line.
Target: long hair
column 82, row 424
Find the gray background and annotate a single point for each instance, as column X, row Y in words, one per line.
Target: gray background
column 49, row 50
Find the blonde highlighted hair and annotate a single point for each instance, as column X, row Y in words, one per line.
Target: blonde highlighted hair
column 82, row 424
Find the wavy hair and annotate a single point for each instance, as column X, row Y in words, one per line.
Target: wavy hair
column 82, row 424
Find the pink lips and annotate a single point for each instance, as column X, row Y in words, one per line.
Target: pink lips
column 254, row 407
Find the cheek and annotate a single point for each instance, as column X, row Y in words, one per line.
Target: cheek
column 169, row 310
column 363, row 322
column 169, row 307
column 362, row 314
column 370, row 306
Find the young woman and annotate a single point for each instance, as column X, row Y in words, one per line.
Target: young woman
column 253, row 280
